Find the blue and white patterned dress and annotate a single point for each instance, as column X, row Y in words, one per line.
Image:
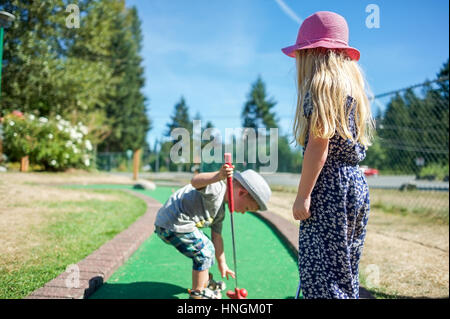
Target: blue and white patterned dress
column 331, row 240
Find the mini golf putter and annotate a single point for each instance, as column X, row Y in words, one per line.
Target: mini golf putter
column 237, row 293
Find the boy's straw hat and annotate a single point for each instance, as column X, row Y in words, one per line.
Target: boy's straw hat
column 256, row 185
column 323, row 29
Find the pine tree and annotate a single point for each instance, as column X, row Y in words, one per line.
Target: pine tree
column 394, row 133
column 443, row 85
column 126, row 106
column 180, row 117
column 257, row 111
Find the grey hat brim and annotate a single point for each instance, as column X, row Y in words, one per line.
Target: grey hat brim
column 250, row 189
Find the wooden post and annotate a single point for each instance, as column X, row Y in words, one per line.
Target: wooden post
column 136, row 163
column 24, row 162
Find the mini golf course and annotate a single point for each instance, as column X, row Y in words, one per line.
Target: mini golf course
column 266, row 266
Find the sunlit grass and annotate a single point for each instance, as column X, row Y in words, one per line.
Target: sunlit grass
column 65, row 236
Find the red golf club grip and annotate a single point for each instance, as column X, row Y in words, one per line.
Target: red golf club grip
column 227, row 158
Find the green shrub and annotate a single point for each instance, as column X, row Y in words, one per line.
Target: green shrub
column 435, row 170
column 53, row 143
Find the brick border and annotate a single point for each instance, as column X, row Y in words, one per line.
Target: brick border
column 96, row 268
column 289, row 232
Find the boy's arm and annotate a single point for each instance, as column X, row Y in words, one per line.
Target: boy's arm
column 220, row 255
column 315, row 157
column 218, row 246
column 204, row 179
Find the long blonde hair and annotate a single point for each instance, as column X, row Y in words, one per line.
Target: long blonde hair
column 329, row 76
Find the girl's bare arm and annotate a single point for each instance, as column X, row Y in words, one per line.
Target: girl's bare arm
column 315, row 156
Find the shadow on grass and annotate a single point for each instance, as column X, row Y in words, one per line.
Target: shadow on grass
column 139, row 290
column 383, row 295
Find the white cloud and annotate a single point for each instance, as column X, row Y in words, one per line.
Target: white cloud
column 288, row 11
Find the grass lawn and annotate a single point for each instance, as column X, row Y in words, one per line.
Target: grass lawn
column 42, row 234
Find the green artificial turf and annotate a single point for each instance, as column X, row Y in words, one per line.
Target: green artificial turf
column 266, row 267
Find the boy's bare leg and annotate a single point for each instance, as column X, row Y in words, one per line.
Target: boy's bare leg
column 199, row 279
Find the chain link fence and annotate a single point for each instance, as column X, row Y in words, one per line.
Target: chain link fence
column 407, row 167
column 121, row 161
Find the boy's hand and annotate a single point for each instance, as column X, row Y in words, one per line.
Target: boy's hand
column 226, row 171
column 300, row 209
column 225, row 271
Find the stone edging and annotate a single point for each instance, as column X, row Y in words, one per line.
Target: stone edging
column 102, row 263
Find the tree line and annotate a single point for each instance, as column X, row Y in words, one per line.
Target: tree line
column 412, row 135
column 92, row 74
column 413, row 131
column 257, row 112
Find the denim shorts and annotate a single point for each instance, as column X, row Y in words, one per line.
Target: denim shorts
column 195, row 245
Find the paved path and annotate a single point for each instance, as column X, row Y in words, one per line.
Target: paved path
column 290, row 179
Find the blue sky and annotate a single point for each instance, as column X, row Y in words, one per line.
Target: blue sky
column 211, row 51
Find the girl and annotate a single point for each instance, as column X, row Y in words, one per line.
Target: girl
column 333, row 123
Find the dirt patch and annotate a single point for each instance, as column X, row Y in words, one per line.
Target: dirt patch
column 26, row 204
column 82, row 178
column 281, row 204
column 400, row 268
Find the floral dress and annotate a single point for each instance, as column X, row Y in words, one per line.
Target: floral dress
column 332, row 239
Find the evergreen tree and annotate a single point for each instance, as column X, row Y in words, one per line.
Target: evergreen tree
column 288, row 160
column 415, row 126
column 90, row 74
column 257, row 111
column 179, row 119
column 394, row 133
column 443, row 85
column 31, row 56
column 126, row 107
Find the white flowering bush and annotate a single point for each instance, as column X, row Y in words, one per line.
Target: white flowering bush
column 54, row 143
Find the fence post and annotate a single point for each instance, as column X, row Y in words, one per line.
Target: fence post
column 136, row 163
column 24, row 162
column 1, row 150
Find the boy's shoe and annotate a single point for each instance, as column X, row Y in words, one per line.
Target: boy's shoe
column 215, row 285
column 205, row 294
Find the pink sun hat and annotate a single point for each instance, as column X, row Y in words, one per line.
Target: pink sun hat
column 323, row 29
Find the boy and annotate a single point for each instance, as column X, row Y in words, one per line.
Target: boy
column 202, row 204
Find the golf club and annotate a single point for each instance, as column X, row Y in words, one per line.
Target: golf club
column 237, row 293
